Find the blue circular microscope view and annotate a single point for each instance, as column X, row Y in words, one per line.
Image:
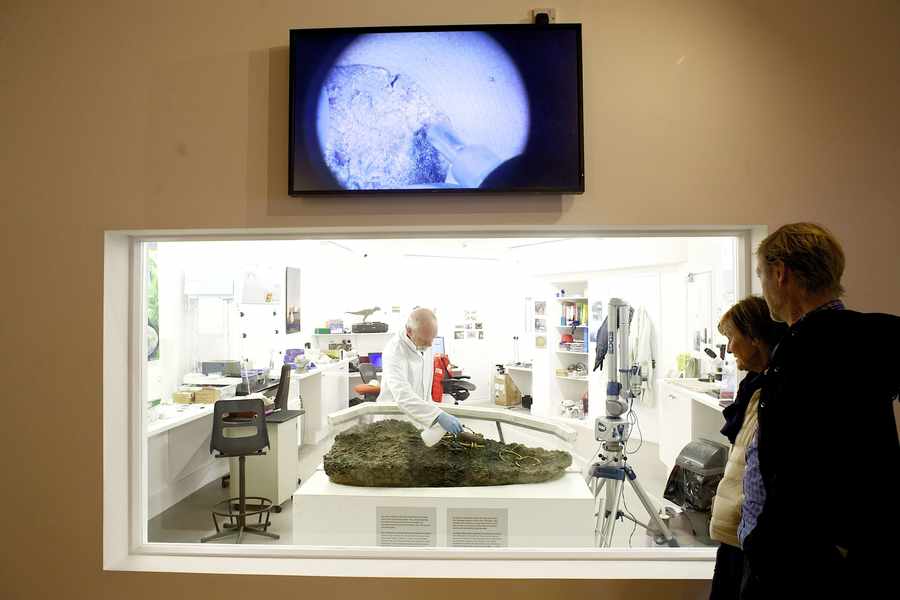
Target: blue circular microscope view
column 421, row 110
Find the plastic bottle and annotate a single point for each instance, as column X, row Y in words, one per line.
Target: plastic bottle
column 432, row 435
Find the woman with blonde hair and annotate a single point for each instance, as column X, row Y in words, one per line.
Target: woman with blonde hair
column 752, row 335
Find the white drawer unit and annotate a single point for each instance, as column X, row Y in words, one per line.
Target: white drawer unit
column 686, row 415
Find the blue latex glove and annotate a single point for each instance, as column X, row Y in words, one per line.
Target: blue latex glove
column 450, row 423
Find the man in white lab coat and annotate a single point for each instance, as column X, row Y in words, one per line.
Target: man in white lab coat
column 408, row 372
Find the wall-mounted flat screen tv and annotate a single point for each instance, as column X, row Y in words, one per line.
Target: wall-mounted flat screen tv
column 489, row 108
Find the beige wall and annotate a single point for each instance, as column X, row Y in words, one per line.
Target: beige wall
column 174, row 114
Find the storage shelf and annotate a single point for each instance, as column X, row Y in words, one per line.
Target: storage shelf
column 567, row 378
column 573, row 299
column 340, row 334
column 571, row 352
column 521, row 369
column 570, row 326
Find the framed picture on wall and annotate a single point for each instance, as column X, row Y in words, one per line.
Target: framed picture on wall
column 292, row 300
column 540, row 341
column 540, row 325
column 459, row 334
column 540, row 307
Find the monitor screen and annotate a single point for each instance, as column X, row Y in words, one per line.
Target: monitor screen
column 375, row 359
column 491, row 108
column 438, row 345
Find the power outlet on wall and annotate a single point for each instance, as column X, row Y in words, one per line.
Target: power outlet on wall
column 550, row 12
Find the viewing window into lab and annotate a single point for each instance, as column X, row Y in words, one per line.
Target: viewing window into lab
column 436, row 392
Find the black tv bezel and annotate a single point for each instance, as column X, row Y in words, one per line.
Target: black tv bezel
column 579, row 189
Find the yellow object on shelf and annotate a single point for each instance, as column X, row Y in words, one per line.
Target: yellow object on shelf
column 207, row 395
column 182, row 397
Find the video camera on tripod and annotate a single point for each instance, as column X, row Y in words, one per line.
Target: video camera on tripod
column 612, row 431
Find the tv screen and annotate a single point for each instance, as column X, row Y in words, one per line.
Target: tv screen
column 494, row 108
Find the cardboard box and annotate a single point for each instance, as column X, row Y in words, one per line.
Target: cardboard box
column 182, row 397
column 505, row 391
column 207, row 395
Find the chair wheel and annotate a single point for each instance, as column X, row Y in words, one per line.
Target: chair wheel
column 276, row 509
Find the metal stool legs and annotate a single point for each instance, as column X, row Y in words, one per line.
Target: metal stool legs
column 238, row 524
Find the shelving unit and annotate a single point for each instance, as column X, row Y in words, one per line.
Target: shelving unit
column 363, row 343
column 572, row 306
column 354, row 334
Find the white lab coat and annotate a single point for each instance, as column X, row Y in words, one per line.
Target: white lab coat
column 641, row 342
column 406, row 378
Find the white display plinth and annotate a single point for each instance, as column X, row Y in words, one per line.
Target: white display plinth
column 552, row 514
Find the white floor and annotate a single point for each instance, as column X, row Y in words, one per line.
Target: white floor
column 190, row 519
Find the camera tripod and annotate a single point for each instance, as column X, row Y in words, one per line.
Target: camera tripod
column 607, row 477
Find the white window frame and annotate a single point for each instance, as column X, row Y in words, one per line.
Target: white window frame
column 125, row 501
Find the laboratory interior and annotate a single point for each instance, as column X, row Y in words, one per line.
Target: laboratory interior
column 528, row 333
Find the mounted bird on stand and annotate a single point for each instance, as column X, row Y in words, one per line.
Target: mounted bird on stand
column 367, row 327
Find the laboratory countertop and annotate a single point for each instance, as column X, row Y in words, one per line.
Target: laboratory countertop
column 695, row 390
column 176, row 415
column 200, row 379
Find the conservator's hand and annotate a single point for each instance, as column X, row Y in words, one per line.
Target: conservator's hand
column 450, row 423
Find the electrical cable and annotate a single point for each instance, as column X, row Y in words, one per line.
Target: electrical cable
column 633, row 418
column 630, row 514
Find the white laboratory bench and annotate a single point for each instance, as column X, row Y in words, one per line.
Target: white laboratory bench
column 686, row 414
column 331, row 514
column 179, row 462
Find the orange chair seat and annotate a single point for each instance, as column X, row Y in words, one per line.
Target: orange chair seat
column 366, row 389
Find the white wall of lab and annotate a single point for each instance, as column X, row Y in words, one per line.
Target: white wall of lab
column 338, row 277
column 333, row 281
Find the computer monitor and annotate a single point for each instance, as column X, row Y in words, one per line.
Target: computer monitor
column 375, row 360
column 438, row 345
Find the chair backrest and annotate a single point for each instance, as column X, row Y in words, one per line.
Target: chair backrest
column 284, row 385
column 367, row 372
column 239, row 427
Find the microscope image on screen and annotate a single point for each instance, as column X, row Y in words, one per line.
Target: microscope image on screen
column 406, row 110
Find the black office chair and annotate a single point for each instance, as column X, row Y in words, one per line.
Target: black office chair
column 284, row 384
column 369, row 392
column 458, row 387
column 239, row 430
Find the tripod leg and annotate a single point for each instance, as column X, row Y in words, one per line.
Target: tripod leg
column 652, row 511
column 611, row 511
column 596, row 486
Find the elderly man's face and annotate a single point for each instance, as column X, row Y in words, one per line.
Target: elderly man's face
column 423, row 335
column 771, row 292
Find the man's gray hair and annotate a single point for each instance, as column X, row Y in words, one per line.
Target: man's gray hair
column 418, row 317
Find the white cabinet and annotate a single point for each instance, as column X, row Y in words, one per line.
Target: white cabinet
column 675, row 423
column 273, row 475
column 322, row 392
column 684, row 416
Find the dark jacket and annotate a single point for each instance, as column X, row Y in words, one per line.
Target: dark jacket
column 734, row 413
column 829, row 455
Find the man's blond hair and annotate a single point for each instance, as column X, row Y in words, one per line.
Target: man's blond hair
column 811, row 252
